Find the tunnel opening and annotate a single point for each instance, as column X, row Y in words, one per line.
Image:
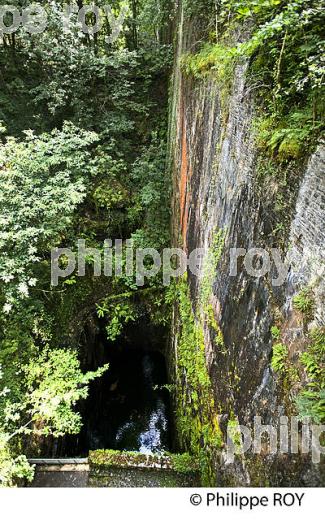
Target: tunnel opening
column 129, row 407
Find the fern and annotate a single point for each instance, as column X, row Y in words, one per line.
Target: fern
column 311, row 405
column 279, row 358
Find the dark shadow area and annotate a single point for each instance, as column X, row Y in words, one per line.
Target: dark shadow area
column 129, row 407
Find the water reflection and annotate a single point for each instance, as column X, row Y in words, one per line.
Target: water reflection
column 146, row 431
column 129, row 408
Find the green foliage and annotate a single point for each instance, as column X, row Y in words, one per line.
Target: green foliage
column 13, row 469
column 279, row 358
column 275, row 331
column 234, row 432
column 183, row 463
column 153, row 195
column 43, row 180
column 212, row 322
column 211, row 263
column 115, row 458
column 197, row 419
column 199, row 9
column 154, row 21
column 285, row 74
column 120, row 315
column 311, row 405
column 197, row 415
column 59, row 182
column 304, row 302
column 310, row 401
column 312, row 360
column 287, row 62
column 110, row 194
column 287, row 137
column 286, row 67
column 215, row 61
column 212, row 59
column 82, row 155
column 246, row 8
column 53, row 385
column 152, row 303
column 309, row 396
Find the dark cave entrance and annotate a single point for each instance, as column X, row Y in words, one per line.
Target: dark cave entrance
column 129, row 408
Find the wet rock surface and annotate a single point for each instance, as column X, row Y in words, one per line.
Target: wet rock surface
column 216, row 187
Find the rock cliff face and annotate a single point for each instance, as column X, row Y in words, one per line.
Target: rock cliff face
column 307, row 236
column 217, row 189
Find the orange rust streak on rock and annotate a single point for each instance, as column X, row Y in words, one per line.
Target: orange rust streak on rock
column 186, row 210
